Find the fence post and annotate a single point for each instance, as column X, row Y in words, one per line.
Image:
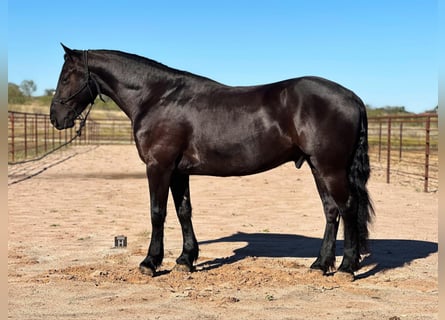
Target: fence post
column 380, row 139
column 37, row 135
column 427, row 152
column 45, row 122
column 53, row 130
column 26, row 135
column 388, row 152
column 400, row 142
column 12, row 136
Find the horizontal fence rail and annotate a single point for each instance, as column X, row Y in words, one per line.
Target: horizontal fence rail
column 402, row 146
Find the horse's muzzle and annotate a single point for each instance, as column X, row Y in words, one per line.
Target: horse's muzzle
column 62, row 121
column 66, row 124
column 54, row 121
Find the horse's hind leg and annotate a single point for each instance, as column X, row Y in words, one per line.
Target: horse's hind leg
column 351, row 254
column 334, row 189
column 326, row 257
column 180, row 188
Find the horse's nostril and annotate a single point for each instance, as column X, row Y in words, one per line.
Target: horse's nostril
column 53, row 121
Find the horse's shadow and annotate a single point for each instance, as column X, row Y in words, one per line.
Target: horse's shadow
column 386, row 253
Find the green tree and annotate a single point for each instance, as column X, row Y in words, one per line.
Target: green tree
column 28, row 87
column 49, row 92
column 15, row 96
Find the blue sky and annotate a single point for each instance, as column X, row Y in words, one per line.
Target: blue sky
column 385, row 51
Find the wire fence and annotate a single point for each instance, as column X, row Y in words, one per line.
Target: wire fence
column 400, row 146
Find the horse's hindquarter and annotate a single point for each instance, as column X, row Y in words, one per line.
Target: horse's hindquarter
column 327, row 120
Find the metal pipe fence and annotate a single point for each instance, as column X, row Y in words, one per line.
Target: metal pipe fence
column 110, row 131
column 402, row 146
column 406, row 146
column 31, row 135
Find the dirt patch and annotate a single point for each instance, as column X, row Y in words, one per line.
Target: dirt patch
column 258, row 236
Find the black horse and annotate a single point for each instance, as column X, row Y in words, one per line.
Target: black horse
column 186, row 124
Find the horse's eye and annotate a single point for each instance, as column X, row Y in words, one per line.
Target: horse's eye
column 65, row 80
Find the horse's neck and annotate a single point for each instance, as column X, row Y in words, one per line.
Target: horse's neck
column 126, row 82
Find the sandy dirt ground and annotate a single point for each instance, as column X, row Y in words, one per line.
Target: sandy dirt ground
column 258, row 236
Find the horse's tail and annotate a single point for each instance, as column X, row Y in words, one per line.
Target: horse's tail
column 358, row 177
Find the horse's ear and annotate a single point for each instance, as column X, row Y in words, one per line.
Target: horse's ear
column 69, row 52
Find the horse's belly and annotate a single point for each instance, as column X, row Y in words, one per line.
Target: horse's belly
column 235, row 159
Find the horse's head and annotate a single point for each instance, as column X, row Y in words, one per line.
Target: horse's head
column 75, row 90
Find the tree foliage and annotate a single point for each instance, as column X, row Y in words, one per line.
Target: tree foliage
column 387, row 110
column 49, row 92
column 15, row 96
column 28, row 87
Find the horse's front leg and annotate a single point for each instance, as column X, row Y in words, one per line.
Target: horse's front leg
column 158, row 182
column 180, row 188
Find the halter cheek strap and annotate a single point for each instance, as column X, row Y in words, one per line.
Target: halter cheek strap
column 89, row 77
column 86, row 84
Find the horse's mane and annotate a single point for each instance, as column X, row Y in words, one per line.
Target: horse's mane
column 152, row 63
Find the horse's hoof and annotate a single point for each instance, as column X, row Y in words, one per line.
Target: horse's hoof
column 344, row 276
column 182, row 268
column 146, row 270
